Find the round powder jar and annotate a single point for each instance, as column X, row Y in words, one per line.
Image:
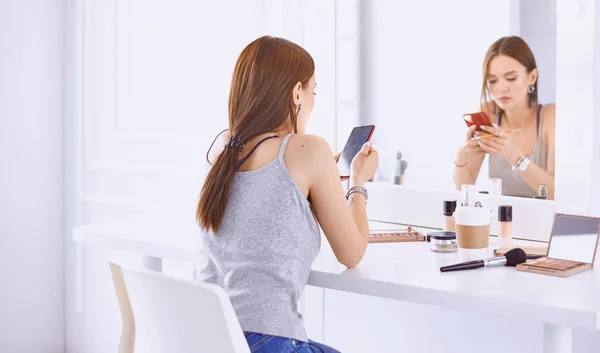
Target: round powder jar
column 443, row 242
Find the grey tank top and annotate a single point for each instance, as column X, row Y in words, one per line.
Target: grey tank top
column 263, row 253
column 513, row 183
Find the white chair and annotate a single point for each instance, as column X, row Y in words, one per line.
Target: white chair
column 162, row 314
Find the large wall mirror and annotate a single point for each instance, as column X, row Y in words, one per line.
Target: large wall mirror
column 419, row 67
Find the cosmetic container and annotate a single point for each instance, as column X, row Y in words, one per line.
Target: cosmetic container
column 543, row 192
column 449, row 208
column 443, row 242
column 496, row 186
column 505, row 221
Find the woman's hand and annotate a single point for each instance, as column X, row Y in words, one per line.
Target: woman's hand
column 337, row 159
column 500, row 143
column 364, row 165
column 468, row 149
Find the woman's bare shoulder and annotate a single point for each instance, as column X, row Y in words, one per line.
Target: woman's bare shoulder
column 309, row 160
column 548, row 117
column 307, row 146
column 310, row 153
column 549, row 111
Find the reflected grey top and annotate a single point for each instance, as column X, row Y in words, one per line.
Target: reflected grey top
column 263, row 253
column 513, row 183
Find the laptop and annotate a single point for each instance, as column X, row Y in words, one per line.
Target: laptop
column 572, row 247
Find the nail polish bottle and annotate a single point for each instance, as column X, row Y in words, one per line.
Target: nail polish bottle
column 505, row 220
column 449, row 208
column 543, row 192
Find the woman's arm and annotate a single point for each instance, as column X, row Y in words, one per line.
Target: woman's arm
column 534, row 175
column 468, row 161
column 550, row 127
column 346, row 228
column 466, row 172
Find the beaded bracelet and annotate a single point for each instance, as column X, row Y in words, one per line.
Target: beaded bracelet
column 360, row 189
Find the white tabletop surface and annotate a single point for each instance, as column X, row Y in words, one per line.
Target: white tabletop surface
column 402, row 271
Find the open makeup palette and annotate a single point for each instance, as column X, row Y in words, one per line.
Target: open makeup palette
column 572, row 247
column 396, row 235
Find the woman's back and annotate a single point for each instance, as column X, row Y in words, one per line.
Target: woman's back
column 266, row 243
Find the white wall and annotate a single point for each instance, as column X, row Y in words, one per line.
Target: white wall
column 421, row 71
column 538, row 29
column 577, row 86
column 595, row 192
column 149, row 95
column 31, row 165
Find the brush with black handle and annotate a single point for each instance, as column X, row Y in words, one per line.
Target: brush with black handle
column 511, row 258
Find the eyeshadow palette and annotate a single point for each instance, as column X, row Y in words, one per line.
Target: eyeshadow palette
column 395, row 235
column 571, row 249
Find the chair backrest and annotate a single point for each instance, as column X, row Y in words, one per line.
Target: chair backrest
column 175, row 315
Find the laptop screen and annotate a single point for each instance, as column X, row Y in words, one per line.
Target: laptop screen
column 574, row 238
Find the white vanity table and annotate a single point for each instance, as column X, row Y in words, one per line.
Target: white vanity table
column 406, row 272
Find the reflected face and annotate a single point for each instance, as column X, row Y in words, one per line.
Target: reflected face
column 508, row 81
column 307, row 99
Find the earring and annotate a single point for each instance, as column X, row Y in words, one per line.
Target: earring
column 531, row 89
column 299, row 108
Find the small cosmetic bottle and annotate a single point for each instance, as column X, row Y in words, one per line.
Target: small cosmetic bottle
column 496, row 186
column 449, row 208
column 505, row 220
column 469, row 195
column 543, row 191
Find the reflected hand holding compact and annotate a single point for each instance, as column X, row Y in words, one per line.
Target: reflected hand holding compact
column 479, row 120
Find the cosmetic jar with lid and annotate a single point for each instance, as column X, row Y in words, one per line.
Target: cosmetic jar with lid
column 443, row 242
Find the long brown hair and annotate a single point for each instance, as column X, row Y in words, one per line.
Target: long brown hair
column 516, row 48
column 260, row 101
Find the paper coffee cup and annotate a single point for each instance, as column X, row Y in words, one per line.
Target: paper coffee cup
column 472, row 227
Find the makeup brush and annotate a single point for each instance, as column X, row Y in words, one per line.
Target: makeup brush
column 512, row 257
column 399, row 177
column 398, row 168
column 403, row 165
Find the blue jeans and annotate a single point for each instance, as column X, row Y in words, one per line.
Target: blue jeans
column 260, row 343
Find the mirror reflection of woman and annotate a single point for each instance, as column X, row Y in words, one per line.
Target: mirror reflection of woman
column 521, row 145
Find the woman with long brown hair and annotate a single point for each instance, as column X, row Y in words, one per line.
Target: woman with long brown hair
column 267, row 193
column 521, row 144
